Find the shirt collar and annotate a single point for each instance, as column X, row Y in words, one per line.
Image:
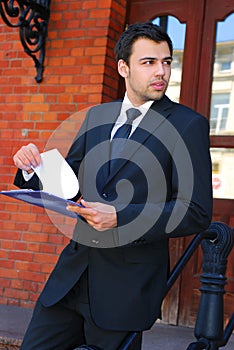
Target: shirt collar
column 142, row 108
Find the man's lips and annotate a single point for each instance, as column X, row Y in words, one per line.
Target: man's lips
column 158, row 85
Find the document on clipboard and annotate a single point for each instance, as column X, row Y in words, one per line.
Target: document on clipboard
column 59, row 183
column 44, row 200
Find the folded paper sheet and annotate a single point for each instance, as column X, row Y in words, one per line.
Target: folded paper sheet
column 56, row 175
column 59, row 183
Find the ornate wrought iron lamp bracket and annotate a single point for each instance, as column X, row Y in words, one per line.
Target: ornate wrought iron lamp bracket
column 32, row 18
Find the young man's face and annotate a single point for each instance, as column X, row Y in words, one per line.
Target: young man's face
column 148, row 72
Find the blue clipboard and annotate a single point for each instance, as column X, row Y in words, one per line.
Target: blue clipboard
column 44, row 200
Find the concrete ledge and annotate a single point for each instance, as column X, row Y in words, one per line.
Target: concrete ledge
column 13, row 323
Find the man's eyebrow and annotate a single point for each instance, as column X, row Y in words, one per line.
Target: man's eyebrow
column 155, row 58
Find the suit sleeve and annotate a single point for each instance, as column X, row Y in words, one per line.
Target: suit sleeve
column 33, row 183
column 188, row 209
column 196, row 202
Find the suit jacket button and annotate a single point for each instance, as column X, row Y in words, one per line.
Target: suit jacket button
column 95, row 241
column 104, row 195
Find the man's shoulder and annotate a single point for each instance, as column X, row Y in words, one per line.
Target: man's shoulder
column 184, row 113
column 116, row 104
column 103, row 113
column 186, row 110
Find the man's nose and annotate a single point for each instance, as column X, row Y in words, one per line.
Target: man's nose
column 159, row 69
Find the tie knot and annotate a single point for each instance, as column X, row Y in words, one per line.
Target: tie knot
column 132, row 113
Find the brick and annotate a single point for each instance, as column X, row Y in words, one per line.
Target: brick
column 94, row 98
column 77, row 52
column 17, row 284
column 26, row 304
column 5, row 233
column 104, row 4
column 95, row 51
column 100, row 13
column 38, row 237
column 31, row 276
column 9, row 273
column 24, row 256
column 56, row 239
column 89, row 4
column 29, row 89
column 65, row 98
column 34, row 267
column 35, row 107
column 81, row 80
column 3, row 253
column 56, row 16
column 38, row 98
column 5, row 283
column 94, row 88
column 66, row 80
column 30, row 286
column 34, row 247
column 45, row 258
column 7, row 264
column 16, row 294
column 47, row 268
column 47, row 248
column 69, row 16
column 20, row 246
column 13, row 302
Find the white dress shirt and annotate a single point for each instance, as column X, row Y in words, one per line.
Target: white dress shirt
column 122, row 118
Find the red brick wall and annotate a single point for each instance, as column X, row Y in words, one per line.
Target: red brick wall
column 79, row 71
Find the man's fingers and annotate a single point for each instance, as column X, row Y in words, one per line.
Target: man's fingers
column 31, row 152
column 27, row 157
column 80, row 210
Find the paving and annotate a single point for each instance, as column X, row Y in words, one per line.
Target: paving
column 166, row 337
column 14, row 320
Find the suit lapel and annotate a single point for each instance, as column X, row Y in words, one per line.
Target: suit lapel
column 156, row 115
column 108, row 113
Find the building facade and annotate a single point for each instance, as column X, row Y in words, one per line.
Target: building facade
column 80, row 71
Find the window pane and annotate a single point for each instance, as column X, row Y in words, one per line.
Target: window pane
column 176, row 31
column 222, row 100
column 219, row 113
column 222, row 172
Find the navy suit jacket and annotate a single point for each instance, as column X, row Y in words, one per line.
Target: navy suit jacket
column 161, row 188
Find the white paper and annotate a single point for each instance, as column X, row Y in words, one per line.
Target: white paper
column 56, row 175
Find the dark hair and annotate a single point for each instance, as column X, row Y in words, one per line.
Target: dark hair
column 148, row 30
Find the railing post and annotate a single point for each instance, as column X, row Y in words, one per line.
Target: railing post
column 209, row 324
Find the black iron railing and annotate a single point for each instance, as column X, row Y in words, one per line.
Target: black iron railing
column 217, row 243
column 210, row 318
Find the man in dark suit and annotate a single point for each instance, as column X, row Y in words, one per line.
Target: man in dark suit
column 111, row 278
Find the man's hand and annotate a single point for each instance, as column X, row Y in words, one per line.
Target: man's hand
column 26, row 157
column 100, row 216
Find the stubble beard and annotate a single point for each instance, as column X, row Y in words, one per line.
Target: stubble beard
column 147, row 95
column 152, row 96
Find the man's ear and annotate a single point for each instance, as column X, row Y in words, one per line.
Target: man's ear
column 123, row 68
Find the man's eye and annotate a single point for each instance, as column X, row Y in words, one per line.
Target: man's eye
column 148, row 62
column 167, row 63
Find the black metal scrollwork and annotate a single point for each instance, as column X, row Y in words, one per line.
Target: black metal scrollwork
column 32, row 18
